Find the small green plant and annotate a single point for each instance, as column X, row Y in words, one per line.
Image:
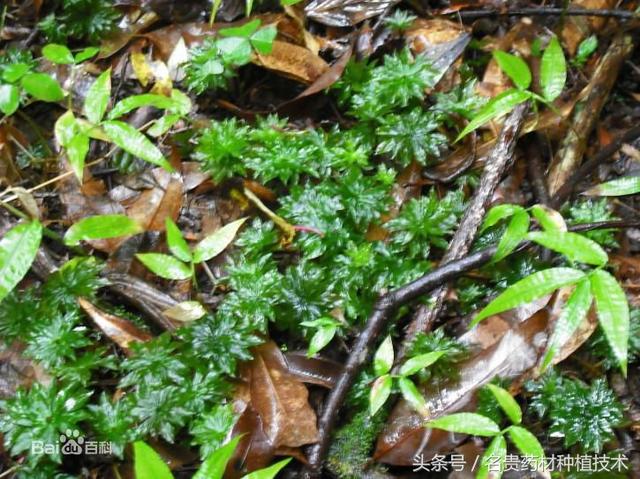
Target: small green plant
column 586, row 48
column 181, row 263
column 494, row 457
column 61, row 55
column 325, row 329
column 18, row 249
column 80, row 19
column 399, row 20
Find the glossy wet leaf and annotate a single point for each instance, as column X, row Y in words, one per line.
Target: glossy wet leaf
column 572, row 245
column 262, row 40
column 508, row 404
column 498, row 213
column 148, row 464
column 42, row 87
column 613, row 314
column 383, row 358
column 12, row 73
column 411, row 394
column 165, row 266
column 549, row 219
column 214, row 466
column 132, row 141
column 18, row 248
column 86, row 53
column 572, row 315
column 65, row 128
column 380, row 391
column 493, row 459
column 516, row 231
column 321, row 338
column 176, row 242
column 417, row 363
column 77, row 150
column 9, row 99
column 163, row 125
column 137, row 101
column 628, row 185
column 98, row 96
column 186, row 311
column 217, row 242
column 101, row 227
column 525, row 442
column 527, row 289
column 515, row 68
column 553, row 70
column 497, row 107
column 58, row 54
column 466, row 423
column 245, row 30
column 268, row 472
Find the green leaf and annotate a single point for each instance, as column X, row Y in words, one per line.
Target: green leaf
column 268, row 472
column 214, row 466
column 186, row 311
column 572, row 245
column 263, row 39
column 12, row 73
column 549, row 219
column 181, row 103
column 58, row 54
column 526, row 442
column 18, row 248
column 585, row 50
column 527, row 289
column 163, row 125
column 466, row 423
column 165, row 266
column 176, row 242
column 87, row 53
column 248, row 7
column 507, row 403
column 245, row 30
column 132, row 141
column 574, row 312
column 235, row 50
column 420, row 362
column 628, row 185
column 9, row 99
column 148, row 464
column 65, row 128
column 497, row 107
column 101, row 227
column 493, row 459
column 383, row 359
column 515, row 68
column 42, row 87
column 217, row 242
column 613, row 314
column 553, row 71
column 97, row 99
column 411, row 394
column 514, row 234
column 137, row 101
column 380, row 391
column 498, row 213
column 321, row 338
column 77, row 150
column 289, row 2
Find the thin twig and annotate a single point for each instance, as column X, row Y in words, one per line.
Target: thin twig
column 545, row 11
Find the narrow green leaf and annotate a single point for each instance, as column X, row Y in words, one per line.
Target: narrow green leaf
column 268, row 472
column 553, row 71
column 165, row 266
column 515, row 68
column 263, row 39
column 527, row 289
column 214, row 11
column 248, row 7
column 383, row 359
column 572, row 245
column 493, row 459
column 411, row 394
column 514, row 234
column 42, row 87
column 526, row 442
column 101, row 227
column 97, row 99
column 18, row 248
column 176, row 242
column 466, row 423
column 137, row 101
column 549, row 219
column 217, row 242
column 245, row 30
column 613, row 314
column 497, row 107
column 185, row 311
column 148, row 464
column 420, row 362
column 9, row 99
column 132, row 141
column 214, row 466
column 57, row 54
column 508, row 404
column 628, row 185
column 163, row 125
column 65, row 128
column 572, row 315
column 77, row 150
column 321, row 338
column 498, row 213
column 289, row 2
column 86, row 53
column 380, row 392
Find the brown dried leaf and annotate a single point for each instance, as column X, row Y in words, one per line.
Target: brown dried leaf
column 162, row 201
column 346, row 13
column 320, row 371
column 128, row 28
column 293, row 61
column 577, row 28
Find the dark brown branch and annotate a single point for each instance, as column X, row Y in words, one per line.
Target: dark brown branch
column 535, row 171
column 546, row 11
